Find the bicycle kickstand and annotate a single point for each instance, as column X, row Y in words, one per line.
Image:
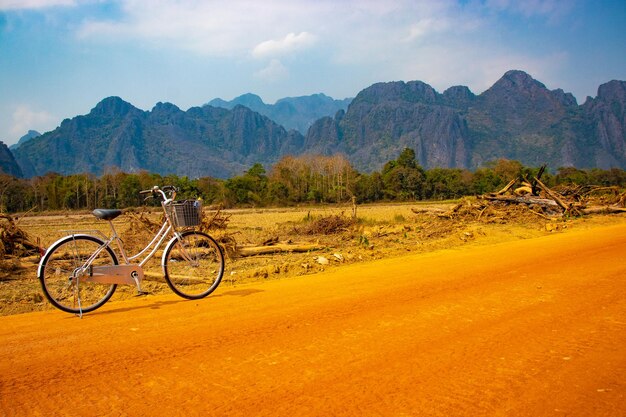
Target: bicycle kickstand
column 77, row 296
column 140, row 291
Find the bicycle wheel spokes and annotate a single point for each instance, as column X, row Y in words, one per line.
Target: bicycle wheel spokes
column 62, row 276
column 193, row 265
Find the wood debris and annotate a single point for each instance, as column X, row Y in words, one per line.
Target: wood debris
column 275, row 248
column 327, row 225
column 14, row 241
column 523, row 197
column 216, row 220
column 547, row 202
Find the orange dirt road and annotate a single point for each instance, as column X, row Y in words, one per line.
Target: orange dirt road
column 527, row 328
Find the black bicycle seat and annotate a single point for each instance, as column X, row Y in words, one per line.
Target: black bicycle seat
column 106, row 214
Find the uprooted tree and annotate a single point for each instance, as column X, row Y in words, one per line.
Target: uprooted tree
column 566, row 200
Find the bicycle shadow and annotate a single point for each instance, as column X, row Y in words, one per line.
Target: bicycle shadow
column 153, row 306
column 158, row 304
column 238, row 293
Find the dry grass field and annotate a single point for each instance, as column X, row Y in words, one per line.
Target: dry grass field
column 378, row 231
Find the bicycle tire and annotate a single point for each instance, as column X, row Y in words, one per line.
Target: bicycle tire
column 197, row 271
column 56, row 268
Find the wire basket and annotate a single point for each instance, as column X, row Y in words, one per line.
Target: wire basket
column 186, row 213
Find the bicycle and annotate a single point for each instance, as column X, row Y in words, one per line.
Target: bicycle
column 80, row 272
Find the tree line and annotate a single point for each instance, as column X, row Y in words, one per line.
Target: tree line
column 292, row 180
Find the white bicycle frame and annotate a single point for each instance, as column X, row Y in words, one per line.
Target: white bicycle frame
column 129, row 273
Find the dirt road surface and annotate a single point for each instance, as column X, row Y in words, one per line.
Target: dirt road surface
column 532, row 327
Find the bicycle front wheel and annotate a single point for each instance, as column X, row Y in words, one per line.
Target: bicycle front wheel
column 59, row 274
column 193, row 265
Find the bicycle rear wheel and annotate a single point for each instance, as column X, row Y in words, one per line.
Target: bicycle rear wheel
column 193, row 265
column 62, row 286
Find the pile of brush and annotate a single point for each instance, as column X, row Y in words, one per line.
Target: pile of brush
column 14, row 241
column 567, row 200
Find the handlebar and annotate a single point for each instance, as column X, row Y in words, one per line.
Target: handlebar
column 163, row 192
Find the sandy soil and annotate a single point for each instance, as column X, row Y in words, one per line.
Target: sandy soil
column 533, row 327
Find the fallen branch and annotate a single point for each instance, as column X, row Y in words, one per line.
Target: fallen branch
column 32, row 259
column 567, row 208
column 428, row 210
column 543, row 216
column 219, row 220
column 603, row 210
column 595, row 189
column 450, row 213
column 281, row 247
column 522, row 200
column 507, row 187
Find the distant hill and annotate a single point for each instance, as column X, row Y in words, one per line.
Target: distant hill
column 203, row 141
column 297, row 113
column 28, row 136
column 517, row 118
column 8, row 165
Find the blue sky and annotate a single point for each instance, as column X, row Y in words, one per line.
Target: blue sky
column 59, row 58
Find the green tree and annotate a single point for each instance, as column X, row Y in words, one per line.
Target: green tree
column 212, row 190
column 571, row 175
column 407, row 159
column 403, row 178
column 249, row 188
column 13, row 193
column 129, row 191
column 607, row 178
column 506, row 169
column 369, row 188
column 446, row 183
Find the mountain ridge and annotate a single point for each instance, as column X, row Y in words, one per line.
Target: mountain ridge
column 517, row 118
column 203, row 141
column 8, row 164
column 28, row 136
column 297, row 113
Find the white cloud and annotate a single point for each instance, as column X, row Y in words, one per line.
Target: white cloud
column 220, row 27
column 443, row 42
column 289, row 43
column 236, row 27
column 478, row 66
column 426, row 27
column 275, row 71
column 33, row 4
column 25, row 119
